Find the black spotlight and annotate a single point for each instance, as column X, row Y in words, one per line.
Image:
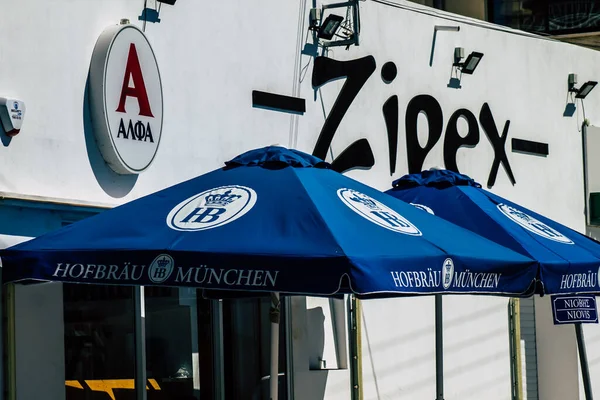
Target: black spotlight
column 330, row 26
column 585, row 89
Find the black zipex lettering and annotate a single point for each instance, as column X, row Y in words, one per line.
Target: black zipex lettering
column 356, row 72
column 390, row 114
column 453, row 141
column 359, row 154
column 432, row 110
column 498, row 141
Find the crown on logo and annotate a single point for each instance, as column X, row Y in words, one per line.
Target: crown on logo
column 221, row 199
column 519, row 214
column 365, row 201
column 163, row 262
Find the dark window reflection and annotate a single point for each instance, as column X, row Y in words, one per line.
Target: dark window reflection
column 99, row 342
column 247, row 351
column 178, row 358
column 546, row 16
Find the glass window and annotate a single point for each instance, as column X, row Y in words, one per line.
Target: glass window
column 7, row 340
column 247, row 350
column 178, row 359
column 99, row 342
column 547, row 16
column 429, row 3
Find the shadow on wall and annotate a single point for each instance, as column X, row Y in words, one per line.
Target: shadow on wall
column 4, row 137
column 382, row 378
column 570, row 107
column 315, row 320
column 113, row 184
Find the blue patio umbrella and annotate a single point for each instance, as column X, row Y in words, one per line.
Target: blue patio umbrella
column 569, row 261
column 273, row 220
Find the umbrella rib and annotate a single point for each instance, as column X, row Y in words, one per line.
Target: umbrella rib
column 331, row 233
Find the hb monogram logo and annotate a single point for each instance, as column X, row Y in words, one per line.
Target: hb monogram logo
column 447, row 273
column 161, row 268
column 532, row 224
column 212, row 208
column 377, row 212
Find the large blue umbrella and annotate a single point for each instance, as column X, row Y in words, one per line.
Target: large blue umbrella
column 273, row 220
column 569, row 261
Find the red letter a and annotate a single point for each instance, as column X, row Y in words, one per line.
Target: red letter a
column 138, row 90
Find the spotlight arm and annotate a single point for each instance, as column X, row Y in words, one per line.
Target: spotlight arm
column 339, row 5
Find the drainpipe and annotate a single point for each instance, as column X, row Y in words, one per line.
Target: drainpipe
column 585, row 372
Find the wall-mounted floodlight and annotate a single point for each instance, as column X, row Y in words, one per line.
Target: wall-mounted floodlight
column 584, row 90
column 330, row 26
column 327, row 27
column 469, row 65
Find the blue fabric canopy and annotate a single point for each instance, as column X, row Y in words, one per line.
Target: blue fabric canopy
column 273, row 220
column 569, row 261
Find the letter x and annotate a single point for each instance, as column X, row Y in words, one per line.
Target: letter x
column 498, row 142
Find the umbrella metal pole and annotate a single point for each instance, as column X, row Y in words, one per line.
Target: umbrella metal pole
column 585, row 372
column 140, row 343
column 274, row 315
column 439, row 349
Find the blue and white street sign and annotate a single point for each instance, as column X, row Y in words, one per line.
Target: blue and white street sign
column 574, row 309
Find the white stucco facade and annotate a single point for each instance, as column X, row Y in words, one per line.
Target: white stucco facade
column 212, row 55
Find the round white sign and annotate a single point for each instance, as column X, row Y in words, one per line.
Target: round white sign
column 126, row 99
column 532, row 224
column 212, row 208
column 377, row 212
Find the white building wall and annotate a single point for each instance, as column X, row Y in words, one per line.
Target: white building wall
column 210, row 57
column 213, row 54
